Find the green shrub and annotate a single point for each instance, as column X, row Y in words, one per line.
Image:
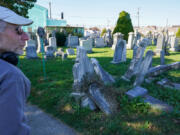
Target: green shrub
column 60, row 38
column 124, row 24
column 103, row 32
column 178, row 33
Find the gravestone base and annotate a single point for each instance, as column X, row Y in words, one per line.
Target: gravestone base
column 115, row 62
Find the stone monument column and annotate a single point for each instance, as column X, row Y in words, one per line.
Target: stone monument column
column 130, row 40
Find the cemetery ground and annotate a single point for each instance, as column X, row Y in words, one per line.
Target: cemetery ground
column 133, row 117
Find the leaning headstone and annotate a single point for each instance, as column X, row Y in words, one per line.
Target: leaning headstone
column 31, row 52
column 49, row 52
column 105, row 77
column 103, row 100
column 70, row 51
column 144, row 67
column 72, row 41
column 160, row 44
column 130, row 40
column 99, row 42
column 116, row 37
column 136, row 92
column 120, row 52
column 136, row 61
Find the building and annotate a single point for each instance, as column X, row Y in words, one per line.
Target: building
column 39, row 15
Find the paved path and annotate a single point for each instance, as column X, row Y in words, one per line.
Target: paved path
column 43, row 124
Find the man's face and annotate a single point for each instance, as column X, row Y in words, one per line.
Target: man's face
column 13, row 39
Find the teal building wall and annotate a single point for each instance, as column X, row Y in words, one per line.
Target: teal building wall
column 39, row 15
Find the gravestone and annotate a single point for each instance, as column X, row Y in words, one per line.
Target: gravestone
column 87, row 44
column 116, row 37
column 103, row 100
column 52, row 42
column 99, row 42
column 162, row 53
column 105, row 77
column 136, row 61
column 136, row 92
column 175, row 44
column 31, row 52
column 70, row 51
column 72, row 41
column 120, row 52
column 130, row 40
column 31, row 42
column 49, row 52
column 108, row 38
column 143, row 69
column 160, row 44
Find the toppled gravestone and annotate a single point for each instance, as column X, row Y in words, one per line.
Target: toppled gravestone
column 90, row 78
column 154, row 71
column 168, row 84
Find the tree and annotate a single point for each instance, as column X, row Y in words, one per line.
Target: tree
column 103, row 32
column 124, row 24
column 21, row 7
column 178, row 33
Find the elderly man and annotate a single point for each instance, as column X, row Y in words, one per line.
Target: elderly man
column 14, row 85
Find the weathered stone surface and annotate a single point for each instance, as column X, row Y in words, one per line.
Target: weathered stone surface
column 116, row 37
column 120, row 52
column 149, row 79
column 105, row 77
column 136, row 61
column 72, row 41
column 168, row 84
column 130, row 40
column 160, row 44
column 31, row 42
column 99, row 42
column 162, row 53
column 157, row 104
column 136, row 92
column 87, row 44
column 103, row 100
column 31, row 52
column 70, row 51
column 52, row 42
column 87, row 102
column 49, row 52
column 154, row 71
column 144, row 67
column 83, row 70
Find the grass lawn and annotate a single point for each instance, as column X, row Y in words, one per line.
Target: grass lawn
column 133, row 117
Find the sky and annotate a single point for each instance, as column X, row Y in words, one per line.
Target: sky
column 104, row 13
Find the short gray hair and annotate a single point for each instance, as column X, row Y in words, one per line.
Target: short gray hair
column 3, row 25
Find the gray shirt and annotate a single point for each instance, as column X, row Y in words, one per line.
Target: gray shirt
column 14, row 90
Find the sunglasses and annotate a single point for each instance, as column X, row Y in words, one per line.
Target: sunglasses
column 19, row 30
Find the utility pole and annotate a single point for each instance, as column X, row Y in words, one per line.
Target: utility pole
column 138, row 17
column 50, row 10
column 166, row 22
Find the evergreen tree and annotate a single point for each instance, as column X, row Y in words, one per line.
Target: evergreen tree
column 178, row 33
column 103, row 32
column 21, row 7
column 124, row 24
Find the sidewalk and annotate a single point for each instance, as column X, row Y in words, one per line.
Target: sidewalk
column 43, row 124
